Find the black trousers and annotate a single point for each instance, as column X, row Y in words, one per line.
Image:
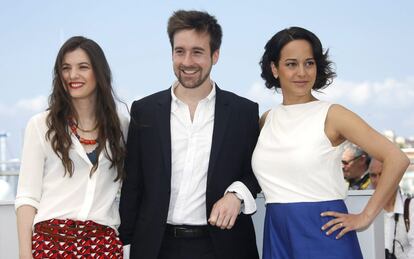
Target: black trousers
column 186, row 248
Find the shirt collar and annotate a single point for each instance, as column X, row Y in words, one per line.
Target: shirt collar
column 208, row 98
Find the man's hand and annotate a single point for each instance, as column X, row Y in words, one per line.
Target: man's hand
column 225, row 211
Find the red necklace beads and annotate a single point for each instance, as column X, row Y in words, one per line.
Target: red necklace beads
column 73, row 127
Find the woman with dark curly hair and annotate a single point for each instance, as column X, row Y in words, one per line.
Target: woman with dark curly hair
column 297, row 159
column 72, row 162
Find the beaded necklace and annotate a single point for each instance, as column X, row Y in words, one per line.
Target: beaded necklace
column 73, row 127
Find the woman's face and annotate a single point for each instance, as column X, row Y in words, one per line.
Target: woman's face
column 296, row 69
column 78, row 76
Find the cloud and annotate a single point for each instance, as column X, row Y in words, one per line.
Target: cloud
column 265, row 97
column 396, row 94
column 391, row 93
column 24, row 106
column 384, row 105
column 35, row 104
column 13, row 119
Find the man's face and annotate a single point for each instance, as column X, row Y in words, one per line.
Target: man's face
column 192, row 59
column 375, row 171
column 353, row 166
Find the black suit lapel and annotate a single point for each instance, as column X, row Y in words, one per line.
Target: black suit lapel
column 163, row 119
column 221, row 116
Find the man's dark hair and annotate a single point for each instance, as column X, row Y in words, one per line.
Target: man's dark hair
column 201, row 22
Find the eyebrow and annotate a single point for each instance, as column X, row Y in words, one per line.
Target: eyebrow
column 195, row 48
column 199, row 48
column 81, row 63
column 294, row 59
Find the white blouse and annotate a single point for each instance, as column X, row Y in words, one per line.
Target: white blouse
column 294, row 161
column 43, row 185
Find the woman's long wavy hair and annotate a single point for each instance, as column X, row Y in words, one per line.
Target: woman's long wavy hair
column 61, row 109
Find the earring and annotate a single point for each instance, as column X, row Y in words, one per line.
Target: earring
column 275, row 76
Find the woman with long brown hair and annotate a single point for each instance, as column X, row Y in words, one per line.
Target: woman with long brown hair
column 72, row 162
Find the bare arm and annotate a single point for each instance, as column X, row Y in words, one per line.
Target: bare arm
column 343, row 124
column 25, row 217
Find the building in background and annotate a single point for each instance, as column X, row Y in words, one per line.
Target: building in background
column 9, row 171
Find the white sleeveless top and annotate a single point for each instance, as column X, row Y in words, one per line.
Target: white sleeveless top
column 294, row 161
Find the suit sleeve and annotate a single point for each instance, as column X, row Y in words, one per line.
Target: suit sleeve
column 132, row 184
column 249, row 180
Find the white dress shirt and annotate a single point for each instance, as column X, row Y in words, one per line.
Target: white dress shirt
column 42, row 183
column 190, row 154
column 404, row 245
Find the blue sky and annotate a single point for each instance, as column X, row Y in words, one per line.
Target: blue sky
column 371, row 43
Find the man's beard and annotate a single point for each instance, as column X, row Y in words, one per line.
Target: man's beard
column 192, row 84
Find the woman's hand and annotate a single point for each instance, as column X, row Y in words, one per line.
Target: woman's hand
column 346, row 222
column 26, row 256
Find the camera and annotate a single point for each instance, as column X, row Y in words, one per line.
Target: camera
column 389, row 255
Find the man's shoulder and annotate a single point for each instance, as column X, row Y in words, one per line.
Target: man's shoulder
column 237, row 99
column 365, row 182
column 152, row 98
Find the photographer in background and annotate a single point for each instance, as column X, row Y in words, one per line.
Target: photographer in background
column 399, row 237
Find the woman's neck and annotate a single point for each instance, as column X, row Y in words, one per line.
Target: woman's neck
column 85, row 110
column 298, row 100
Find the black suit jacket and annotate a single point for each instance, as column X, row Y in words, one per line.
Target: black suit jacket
column 145, row 192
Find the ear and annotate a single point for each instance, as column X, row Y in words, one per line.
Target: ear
column 364, row 158
column 215, row 56
column 274, row 70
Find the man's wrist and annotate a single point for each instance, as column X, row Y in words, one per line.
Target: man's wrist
column 238, row 196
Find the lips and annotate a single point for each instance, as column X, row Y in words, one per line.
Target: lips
column 189, row 70
column 75, row 85
column 300, row 83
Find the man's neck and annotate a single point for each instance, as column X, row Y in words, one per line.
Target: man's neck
column 359, row 178
column 191, row 96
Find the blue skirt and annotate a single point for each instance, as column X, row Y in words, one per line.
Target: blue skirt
column 293, row 231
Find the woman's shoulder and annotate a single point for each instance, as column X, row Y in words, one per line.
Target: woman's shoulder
column 124, row 121
column 337, row 110
column 39, row 118
column 339, row 114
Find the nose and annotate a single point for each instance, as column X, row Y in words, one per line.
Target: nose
column 187, row 60
column 301, row 70
column 73, row 74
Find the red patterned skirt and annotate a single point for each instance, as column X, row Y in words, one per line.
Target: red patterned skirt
column 58, row 238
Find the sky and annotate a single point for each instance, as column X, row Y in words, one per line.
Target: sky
column 370, row 42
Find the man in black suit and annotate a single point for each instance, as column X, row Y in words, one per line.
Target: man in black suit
column 189, row 187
